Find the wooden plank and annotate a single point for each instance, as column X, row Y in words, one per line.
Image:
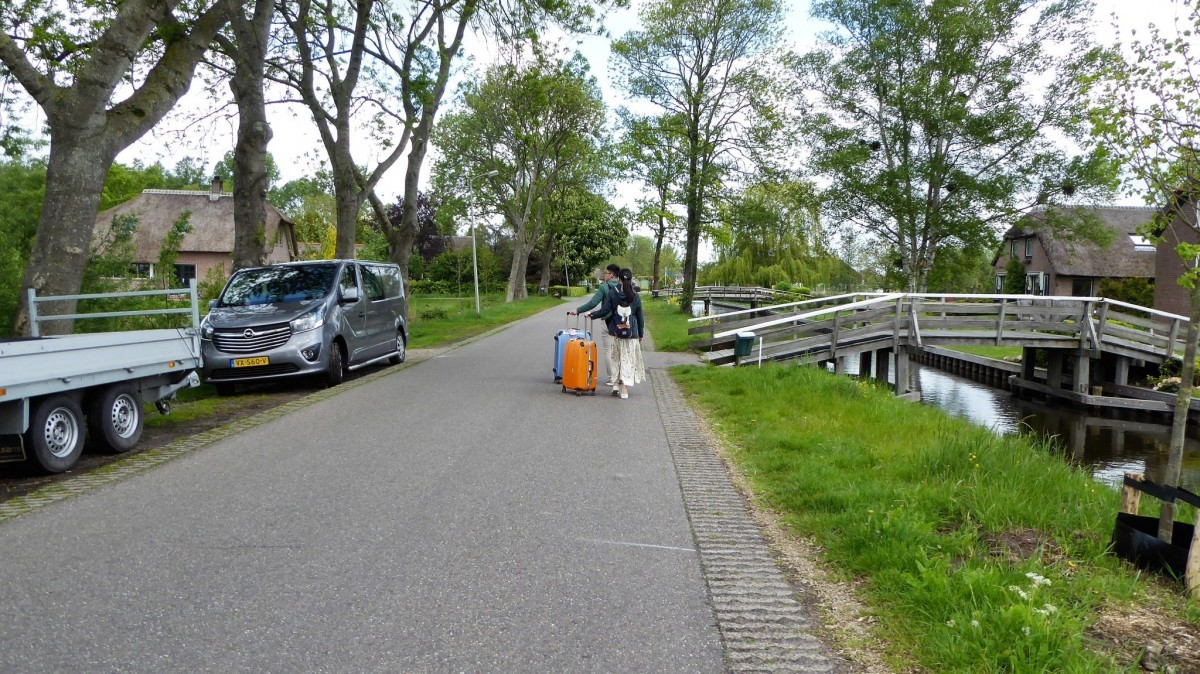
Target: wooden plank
column 1191, row 573
column 1000, row 321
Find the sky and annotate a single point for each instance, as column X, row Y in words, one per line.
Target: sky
column 296, row 146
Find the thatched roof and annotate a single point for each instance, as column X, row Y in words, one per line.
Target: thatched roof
column 1117, row 260
column 211, row 222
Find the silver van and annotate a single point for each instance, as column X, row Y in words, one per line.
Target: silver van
column 317, row 318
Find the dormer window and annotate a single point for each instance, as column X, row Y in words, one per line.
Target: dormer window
column 1141, row 244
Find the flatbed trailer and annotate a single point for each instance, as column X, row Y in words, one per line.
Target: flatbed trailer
column 49, row 386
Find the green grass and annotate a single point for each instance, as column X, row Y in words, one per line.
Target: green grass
column 196, row 403
column 997, row 352
column 440, row 320
column 667, row 324
column 913, row 504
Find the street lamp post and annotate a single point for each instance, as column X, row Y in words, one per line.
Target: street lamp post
column 474, row 255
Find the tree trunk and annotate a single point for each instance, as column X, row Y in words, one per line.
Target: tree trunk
column 1183, row 401
column 348, row 197
column 250, row 186
column 516, row 274
column 655, row 283
column 401, row 242
column 547, row 261
column 74, row 181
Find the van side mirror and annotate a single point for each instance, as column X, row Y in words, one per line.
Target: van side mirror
column 349, row 295
column 212, row 304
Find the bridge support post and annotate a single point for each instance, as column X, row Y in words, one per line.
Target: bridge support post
column 1054, row 368
column 1028, row 362
column 1078, row 437
column 707, row 306
column 864, row 364
column 882, row 364
column 901, row 371
column 1082, row 379
column 1121, row 370
column 839, row 365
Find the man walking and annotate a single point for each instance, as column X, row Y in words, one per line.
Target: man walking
column 610, row 281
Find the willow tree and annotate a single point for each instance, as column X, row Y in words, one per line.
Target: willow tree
column 1148, row 112
column 710, row 63
column 936, row 121
column 102, row 84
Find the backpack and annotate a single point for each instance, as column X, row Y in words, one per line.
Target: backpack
column 619, row 324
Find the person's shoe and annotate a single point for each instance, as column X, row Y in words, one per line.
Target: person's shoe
column 610, row 382
column 615, row 391
column 624, row 396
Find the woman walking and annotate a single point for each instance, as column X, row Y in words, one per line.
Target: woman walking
column 622, row 314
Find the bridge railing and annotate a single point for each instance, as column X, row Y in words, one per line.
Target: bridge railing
column 857, row 323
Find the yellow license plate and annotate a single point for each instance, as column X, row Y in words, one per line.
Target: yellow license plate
column 249, row 362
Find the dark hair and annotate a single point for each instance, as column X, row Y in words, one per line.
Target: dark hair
column 614, row 268
column 626, row 277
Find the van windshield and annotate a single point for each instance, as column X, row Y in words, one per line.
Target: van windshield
column 273, row 285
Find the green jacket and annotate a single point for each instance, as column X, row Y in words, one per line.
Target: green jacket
column 598, row 296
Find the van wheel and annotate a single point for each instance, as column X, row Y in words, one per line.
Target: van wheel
column 115, row 418
column 334, row 373
column 398, row 357
column 55, row 434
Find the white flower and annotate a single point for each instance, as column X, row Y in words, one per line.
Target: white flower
column 1038, row 581
column 950, row 623
column 975, row 624
column 1046, row 610
column 1019, row 591
column 1027, row 631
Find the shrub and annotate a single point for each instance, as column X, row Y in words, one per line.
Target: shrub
column 433, row 314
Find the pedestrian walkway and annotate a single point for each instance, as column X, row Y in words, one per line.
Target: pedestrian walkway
column 458, row 514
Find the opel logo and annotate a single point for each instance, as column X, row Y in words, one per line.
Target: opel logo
column 249, row 333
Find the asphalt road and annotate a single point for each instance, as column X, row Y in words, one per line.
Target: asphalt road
column 459, row 515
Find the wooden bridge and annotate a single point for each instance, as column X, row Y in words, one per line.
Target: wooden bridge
column 1092, row 341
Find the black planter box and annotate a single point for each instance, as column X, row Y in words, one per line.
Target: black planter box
column 1135, row 539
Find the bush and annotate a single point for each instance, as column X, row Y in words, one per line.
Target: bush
column 433, row 314
column 431, row 287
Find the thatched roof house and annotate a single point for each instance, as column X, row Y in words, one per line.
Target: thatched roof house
column 1057, row 267
column 209, row 244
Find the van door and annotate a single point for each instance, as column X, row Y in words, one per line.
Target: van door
column 379, row 320
column 353, row 327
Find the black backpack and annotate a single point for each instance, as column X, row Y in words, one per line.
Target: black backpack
column 619, row 323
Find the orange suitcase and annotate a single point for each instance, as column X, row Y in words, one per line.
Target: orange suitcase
column 579, row 367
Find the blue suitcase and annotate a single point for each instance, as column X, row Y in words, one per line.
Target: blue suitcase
column 560, row 345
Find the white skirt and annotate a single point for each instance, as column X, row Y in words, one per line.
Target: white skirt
column 627, row 354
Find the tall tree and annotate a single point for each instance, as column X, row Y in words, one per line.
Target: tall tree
column 77, row 72
column 710, row 64
column 532, row 124
column 653, row 150
column 1148, row 113
column 928, row 125
column 248, row 50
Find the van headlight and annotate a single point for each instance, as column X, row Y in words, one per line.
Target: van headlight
column 206, row 329
column 309, row 321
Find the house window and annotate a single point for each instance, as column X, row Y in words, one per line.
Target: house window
column 141, row 270
column 1014, row 247
column 1035, row 283
column 1081, row 287
column 1029, row 247
column 1000, row 282
column 185, row 273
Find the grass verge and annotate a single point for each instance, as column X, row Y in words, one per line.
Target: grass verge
column 997, row 352
column 668, row 325
column 977, row 553
column 439, row 320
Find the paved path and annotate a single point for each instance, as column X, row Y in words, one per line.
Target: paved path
column 460, row 514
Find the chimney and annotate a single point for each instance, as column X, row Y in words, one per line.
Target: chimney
column 217, row 184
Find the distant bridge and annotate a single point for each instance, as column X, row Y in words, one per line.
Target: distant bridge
column 1092, row 340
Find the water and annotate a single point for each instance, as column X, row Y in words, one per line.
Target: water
column 1108, row 446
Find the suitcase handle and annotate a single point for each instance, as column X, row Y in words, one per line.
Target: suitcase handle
column 578, row 317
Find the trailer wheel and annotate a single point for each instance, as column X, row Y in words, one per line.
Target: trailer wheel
column 55, row 435
column 115, row 418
